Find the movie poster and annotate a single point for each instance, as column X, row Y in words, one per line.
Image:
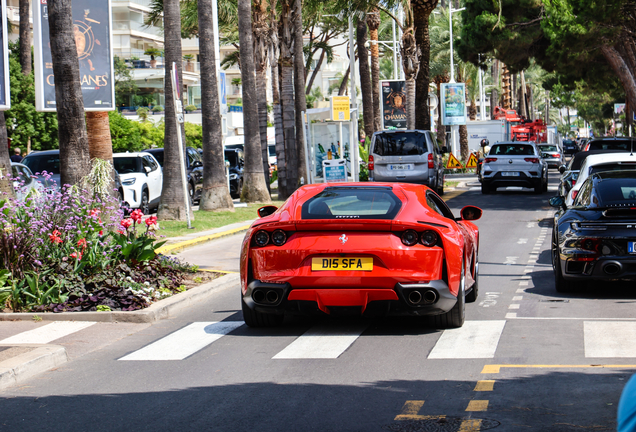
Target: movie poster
column 5, row 98
column 453, row 104
column 92, row 31
column 393, row 104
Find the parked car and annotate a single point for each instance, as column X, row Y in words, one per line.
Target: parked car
column 594, row 239
column 41, row 161
column 552, row 154
column 597, row 163
column 570, row 147
column 235, row 158
column 360, row 248
column 23, row 181
column 412, row 156
column 514, row 164
column 570, row 171
column 194, row 170
column 611, row 143
column 142, row 179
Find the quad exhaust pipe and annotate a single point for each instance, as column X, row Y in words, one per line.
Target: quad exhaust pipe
column 266, row 296
column 418, row 297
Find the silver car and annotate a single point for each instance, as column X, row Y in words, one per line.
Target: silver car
column 552, row 154
column 514, row 164
column 23, row 181
column 411, row 156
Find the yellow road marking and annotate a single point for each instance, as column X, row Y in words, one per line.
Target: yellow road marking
column 410, row 409
column 454, row 194
column 477, row 405
column 419, row 417
column 493, row 369
column 218, row 271
column 182, row 245
column 485, row 385
column 470, row 426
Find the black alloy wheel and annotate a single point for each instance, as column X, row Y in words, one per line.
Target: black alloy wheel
column 471, row 297
column 561, row 284
column 145, row 202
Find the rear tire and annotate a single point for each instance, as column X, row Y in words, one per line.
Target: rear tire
column 440, row 187
column 455, row 317
column 485, row 189
column 257, row 319
column 539, row 189
column 145, row 202
column 545, row 186
column 561, row 284
column 471, row 297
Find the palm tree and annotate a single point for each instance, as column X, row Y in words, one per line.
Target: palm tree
column 6, row 185
column 73, row 141
column 422, row 10
column 215, row 195
column 274, row 54
column 25, row 37
column 365, row 77
column 254, row 188
column 299, row 90
column 172, row 205
column 260, row 29
column 373, row 21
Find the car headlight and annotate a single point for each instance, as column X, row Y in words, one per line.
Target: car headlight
column 128, row 182
column 233, row 176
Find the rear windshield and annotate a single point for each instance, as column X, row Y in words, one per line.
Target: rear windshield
column 41, row 163
column 624, row 145
column 615, row 166
column 512, row 150
column 125, row 165
column 548, row 148
column 400, row 144
column 352, row 203
column 616, row 190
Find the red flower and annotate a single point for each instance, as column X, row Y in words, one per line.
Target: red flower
column 136, row 215
column 101, row 232
column 94, row 212
column 77, row 255
column 55, row 237
column 82, row 243
column 126, row 223
column 121, row 232
column 151, row 220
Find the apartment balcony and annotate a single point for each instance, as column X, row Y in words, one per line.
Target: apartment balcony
column 144, row 3
column 138, row 29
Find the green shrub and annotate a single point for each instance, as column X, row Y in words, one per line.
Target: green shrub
column 158, row 108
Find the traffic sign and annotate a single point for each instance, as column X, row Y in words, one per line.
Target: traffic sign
column 472, row 161
column 453, row 163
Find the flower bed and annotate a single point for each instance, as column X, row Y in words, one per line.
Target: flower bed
column 73, row 250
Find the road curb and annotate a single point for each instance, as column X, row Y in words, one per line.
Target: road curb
column 21, row 367
column 157, row 311
column 169, row 248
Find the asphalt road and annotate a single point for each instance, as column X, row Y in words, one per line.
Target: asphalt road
column 527, row 359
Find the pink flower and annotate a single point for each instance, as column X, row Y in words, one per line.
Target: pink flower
column 94, row 212
column 77, row 255
column 126, row 223
column 136, row 215
column 151, row 220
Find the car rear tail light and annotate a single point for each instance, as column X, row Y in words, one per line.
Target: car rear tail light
column 573, row 182
column 279, row 237
column 429, row 238
column 431, row 164
column 533, row 172
column 556, row 155
column 370, row 164
column 487, row 172
column 574, row 194
column 410, row 237
column 531, row 160
column 591, row 244
column 489, row 159
column 261, row 238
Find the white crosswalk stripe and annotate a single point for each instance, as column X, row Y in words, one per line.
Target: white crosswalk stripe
column 185, row 342
column 322, row 342
column 47, row 333
column 475, row 339
column 610, row 339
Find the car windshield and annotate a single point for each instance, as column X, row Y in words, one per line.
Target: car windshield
column 400, row 144
column 41, row 163
column 272, row 150
column 158, row 155
column 352, row 203
column 126, row 165
column 512, row 150
column 548, row 148
column 618, row 144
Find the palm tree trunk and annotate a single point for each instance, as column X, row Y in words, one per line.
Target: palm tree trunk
column 286, row 66
column 410, row 63
column 215, row 195
column 278, row 115
column 365, row 79
column 410, row 104
column 373, row 21
column 299, row 90
column 422, row 10
column 73, row 141
column 100, row 144
column 494, row 93
column 315, row 72
column 25, row 37
column 6, row 185
column 345, row 81
column 260, row 30
column 254, row 187
column 172, row 205
column 463, row 142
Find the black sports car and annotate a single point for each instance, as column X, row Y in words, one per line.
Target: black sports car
column 595, row 238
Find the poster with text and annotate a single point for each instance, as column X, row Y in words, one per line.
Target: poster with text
column 92, row 24
column 5, row 98
column 393, row 104
column 453, row 104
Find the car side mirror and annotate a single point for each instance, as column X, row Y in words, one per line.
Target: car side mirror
column 147, row 169
column 197, row 164
column 558, row 202
column 266, row 211
column 562, row 169
column 470, row 213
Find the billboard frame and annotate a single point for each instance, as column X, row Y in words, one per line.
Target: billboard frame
column 38, row 61
column 447, row 117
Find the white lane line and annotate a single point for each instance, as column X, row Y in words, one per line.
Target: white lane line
column 517, row 298
column 511, row 315
column 514, row 306
column 48, row 333
column 610, row 339
column 531, row 224
column 522, row 241
column 477, row 188
column 521, row 291
column 322, row 342
column 524, row 277
column 523, row 283
column 528, row 269
column 475, row 339
column 575, row 319
column 511, row 260
column 185, row 342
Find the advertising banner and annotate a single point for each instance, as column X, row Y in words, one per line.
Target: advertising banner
column 5, row 98
column 453, row 104
column 393, row 107
column 92, row 24
column 340, row 108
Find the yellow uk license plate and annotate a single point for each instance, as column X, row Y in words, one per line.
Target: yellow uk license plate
column 348, row 263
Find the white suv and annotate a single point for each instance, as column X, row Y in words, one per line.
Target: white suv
column 142, row 179
column 514, row 164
